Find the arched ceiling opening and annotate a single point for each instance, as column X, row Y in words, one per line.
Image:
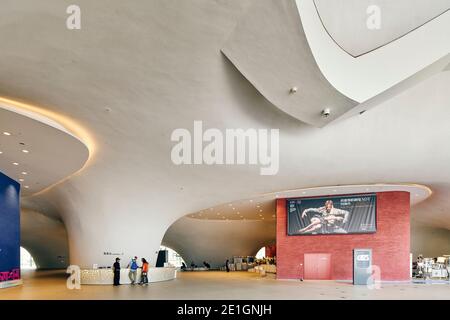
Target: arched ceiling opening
column 35, row 150
column 346, row 21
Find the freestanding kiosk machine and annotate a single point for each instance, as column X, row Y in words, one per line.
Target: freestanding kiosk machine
column 362, row 266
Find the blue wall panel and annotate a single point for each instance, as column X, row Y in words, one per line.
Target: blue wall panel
column 9, row 229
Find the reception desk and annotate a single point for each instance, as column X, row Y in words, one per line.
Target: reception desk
column 106, row 276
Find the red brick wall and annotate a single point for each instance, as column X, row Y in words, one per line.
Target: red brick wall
column 390, row 244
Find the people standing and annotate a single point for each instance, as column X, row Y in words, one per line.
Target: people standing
column 227, row 266
column 116, row 270
column 144, row 277
column 133, row 270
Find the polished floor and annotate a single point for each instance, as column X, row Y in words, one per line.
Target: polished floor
column 218, row 285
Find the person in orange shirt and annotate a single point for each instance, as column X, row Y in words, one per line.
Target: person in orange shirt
column 144, row 277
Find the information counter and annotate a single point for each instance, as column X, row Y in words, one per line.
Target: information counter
column 106, row 276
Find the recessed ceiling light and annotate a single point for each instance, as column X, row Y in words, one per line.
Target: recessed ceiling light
column 234, row 208
column 21, row 180
column 251, row 200
column 25, row 151
column 24, row 173
column 260, row 210
column 6, row 133
column 15, row 163
column 26, row 187
column 1, row 152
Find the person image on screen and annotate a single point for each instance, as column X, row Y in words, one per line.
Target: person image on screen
column 326, row 219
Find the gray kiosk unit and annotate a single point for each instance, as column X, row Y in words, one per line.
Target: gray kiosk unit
column 362, row 266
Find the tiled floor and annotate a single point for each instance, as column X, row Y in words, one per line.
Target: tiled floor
column 218, row 285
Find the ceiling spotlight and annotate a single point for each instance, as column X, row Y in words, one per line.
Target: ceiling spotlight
column 26, row 187
column 15, row 163
column 25, row 151
column 326, row 112
column 6, row 133
column 1, row 152
column 260, row 210
column 293, row 90
column 24, row 173
column 21, row 180
column 251, row 200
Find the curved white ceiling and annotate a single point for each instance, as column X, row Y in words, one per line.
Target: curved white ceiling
column 262, row 207
column 131, row 79
column 364, row 77
column 37, row 151
column 346, row 20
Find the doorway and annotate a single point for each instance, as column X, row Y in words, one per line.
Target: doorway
column 317, row 266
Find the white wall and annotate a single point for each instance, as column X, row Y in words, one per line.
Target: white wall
column 429, row 241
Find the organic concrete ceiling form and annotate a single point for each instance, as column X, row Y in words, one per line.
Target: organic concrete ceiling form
column 315, row 73
column 136, row 72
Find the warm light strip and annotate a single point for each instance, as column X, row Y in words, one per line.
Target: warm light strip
column 390, row 186
column 71, row 126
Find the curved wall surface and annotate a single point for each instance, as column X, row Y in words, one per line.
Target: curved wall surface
column 45, row 238
column 390, row 244
column 215, row 241
column 429, row 241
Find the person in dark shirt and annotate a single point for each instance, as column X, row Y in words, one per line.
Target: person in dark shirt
column 226, row 265
column 116, row 270
column 207, row 265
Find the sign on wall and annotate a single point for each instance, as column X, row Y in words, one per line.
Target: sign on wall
column 9, row 230
column 332, row 215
